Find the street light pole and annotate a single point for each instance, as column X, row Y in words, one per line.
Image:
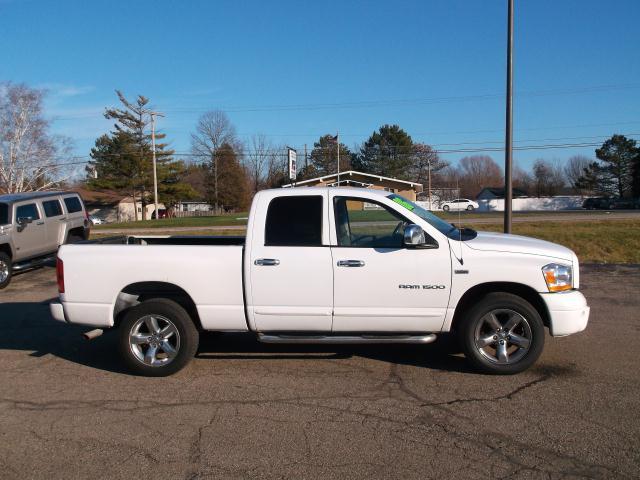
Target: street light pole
column 508, row 154
column 153, row 152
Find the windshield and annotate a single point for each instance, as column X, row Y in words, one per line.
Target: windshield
column 4, row 214
column 443, row 227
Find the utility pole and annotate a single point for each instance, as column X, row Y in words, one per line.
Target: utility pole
column 306, row 162
column 429, row 174
column 508, row 154
column 153, row 151
column 338, row 147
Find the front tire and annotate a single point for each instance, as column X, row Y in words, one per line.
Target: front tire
column 470, row 208
column 502, row 334
column 157, row 338
column 446, row 208
column 6, row 270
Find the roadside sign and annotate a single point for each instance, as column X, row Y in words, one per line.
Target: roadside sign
column 292, row 163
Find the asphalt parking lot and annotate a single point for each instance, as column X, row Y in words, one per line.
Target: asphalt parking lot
column 243, row 409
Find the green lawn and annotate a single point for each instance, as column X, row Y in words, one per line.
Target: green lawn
column 612, row 241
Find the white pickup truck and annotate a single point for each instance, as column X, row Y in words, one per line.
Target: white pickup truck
column 326, row 265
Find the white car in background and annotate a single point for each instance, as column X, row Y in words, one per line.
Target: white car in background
column 460, row 204
column 96, row 220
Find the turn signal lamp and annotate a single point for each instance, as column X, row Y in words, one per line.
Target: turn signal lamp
column 558, row 277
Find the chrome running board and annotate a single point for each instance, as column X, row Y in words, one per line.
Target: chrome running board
column 347, row 339
column 37, row 262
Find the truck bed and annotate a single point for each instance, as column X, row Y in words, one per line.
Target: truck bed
column 219, row 240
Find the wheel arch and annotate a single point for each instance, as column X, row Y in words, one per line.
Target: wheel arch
column 136, row 293
column 6, row 248
column 475, row 293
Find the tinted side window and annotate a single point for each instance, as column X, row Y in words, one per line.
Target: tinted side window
column 73, row 204
column 4, row 214
column 27, row 211
column 52, row 208
column 294, row 222
column 367, row 225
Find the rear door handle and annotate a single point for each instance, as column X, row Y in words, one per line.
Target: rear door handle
column 40, row 223
column 267, row 262
column 350, row 263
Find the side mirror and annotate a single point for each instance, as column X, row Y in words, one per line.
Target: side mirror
column 415, row 237
column 23, row 222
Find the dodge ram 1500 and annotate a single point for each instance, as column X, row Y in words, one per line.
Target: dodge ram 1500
column 326, row 265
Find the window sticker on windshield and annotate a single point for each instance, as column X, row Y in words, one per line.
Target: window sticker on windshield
column 404, row 203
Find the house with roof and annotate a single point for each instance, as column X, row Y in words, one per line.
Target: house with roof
column 492, row 193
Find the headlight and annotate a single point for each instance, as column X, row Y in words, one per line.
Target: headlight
column 558, row 277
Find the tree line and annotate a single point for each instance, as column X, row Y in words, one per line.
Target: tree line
column 226, row 172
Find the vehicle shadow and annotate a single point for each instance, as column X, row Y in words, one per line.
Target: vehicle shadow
column 28, row 326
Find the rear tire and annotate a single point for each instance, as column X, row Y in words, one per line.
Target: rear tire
column 157, row 338
column 446, row 208
column 502, row 334
column 6, row 270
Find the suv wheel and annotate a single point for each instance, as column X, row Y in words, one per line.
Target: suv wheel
column 6, row 266
column 157, row 338
column 502, row 334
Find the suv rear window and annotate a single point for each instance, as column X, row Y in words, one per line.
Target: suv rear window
column 4, row 214
column 294, row 222
column 52, row 208
column 73, row 204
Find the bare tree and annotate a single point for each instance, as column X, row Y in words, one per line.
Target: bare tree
column 425, row 161
column 478, row 172
column 213, row 130
column 522, row 180
column 257, row 160
column 30, row 157
column 277, row 165
column 548, row 178
column 574, row 170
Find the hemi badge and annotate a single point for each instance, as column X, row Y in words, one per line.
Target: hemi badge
column 461, row 271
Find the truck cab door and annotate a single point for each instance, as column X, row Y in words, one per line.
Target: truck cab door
column 29, row 230
column 379, row 283
column 289, row 277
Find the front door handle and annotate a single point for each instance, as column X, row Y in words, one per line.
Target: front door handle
column 350, row 263
column 267, row 262
column 39, row 223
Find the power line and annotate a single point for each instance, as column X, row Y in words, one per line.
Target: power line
column 283, row 154
column 390, row 102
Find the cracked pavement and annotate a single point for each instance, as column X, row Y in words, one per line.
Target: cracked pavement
column 246, row 410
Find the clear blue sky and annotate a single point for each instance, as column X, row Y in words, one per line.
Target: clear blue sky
column 577, row 68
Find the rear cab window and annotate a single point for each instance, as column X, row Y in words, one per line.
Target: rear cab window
column 294, row 221
column 4, row 214
column 52, row 208
column 73, row 204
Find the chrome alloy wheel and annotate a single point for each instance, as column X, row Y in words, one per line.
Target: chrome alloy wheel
column 503, row 336
column 154, row 340
column 4, row 271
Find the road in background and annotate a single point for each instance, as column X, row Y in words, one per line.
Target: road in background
column 244, row 409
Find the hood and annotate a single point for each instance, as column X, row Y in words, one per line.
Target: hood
column 502, row 242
